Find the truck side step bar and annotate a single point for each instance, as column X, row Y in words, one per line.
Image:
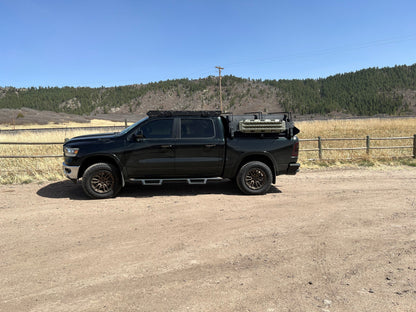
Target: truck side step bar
column 191, row 181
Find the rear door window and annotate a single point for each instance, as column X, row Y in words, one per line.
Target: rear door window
column 197, row 128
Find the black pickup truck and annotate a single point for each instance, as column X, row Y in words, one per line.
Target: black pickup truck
column 189, row 146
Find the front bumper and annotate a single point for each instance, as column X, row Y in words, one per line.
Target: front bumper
column 293, row 168
column 71, row 172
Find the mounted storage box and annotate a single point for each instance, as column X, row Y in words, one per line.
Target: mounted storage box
column 261, row 126
column 265, row 125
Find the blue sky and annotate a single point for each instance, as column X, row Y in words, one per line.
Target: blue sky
column 95, row 43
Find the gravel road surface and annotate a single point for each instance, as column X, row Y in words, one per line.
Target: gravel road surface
column 323, row 240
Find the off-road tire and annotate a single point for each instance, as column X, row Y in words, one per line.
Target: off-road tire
column 101, row 180
column 254, row 178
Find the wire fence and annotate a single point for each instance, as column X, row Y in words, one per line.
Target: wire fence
column 323, row 147
column 61, row 129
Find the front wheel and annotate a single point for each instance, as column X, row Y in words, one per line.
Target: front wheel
column 101, row 180
column 254, row 178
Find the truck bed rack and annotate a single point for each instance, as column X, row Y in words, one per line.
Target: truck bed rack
column 255, row 123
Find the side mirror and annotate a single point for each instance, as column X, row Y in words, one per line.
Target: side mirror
column 139, row 135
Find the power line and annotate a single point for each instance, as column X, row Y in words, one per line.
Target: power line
column 219, row 74
column 315, row 53
column 327, row 51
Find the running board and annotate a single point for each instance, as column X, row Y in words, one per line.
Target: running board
column 191, row 181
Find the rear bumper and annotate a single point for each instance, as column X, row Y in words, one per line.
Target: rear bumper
column 71, row 172
column 293, row 168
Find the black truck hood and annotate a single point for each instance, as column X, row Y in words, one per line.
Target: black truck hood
column 93, row 137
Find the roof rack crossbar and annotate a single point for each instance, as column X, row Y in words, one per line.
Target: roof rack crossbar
column 172, row 113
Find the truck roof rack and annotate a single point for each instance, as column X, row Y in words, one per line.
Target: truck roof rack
column 172, row 113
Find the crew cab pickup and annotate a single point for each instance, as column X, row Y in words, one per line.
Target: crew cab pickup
column 190, row 146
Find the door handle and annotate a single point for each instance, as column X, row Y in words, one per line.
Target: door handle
column 210, row 145
column 166, row 146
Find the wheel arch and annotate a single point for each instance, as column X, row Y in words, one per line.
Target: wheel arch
column 264, row 158
column 101, row 159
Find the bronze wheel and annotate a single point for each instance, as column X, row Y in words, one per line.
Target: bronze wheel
column 101, row 180
column 254, row 178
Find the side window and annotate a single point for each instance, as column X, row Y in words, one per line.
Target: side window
column 158, row 129
column 197, row 128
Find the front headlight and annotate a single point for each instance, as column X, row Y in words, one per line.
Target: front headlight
column 71, row 151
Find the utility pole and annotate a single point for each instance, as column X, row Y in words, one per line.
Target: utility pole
column 219, row 73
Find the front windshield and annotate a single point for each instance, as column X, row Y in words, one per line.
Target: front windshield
column 133, row 126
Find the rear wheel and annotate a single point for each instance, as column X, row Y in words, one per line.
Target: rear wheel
column 101, row 180
column 254, row 178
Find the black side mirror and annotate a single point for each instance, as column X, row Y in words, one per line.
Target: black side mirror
column 139, row 135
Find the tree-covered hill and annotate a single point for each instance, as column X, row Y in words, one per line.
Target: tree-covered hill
column 365, row 92
column 369, row 92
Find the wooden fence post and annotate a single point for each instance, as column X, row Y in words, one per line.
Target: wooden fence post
column 368, row 144
column 320, row 148
column 414, row 146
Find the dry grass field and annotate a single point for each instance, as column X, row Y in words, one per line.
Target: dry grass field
column 26, row 170
column 376, row 128
column 51, row 125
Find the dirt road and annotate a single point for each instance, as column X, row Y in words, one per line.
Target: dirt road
column 326, row 240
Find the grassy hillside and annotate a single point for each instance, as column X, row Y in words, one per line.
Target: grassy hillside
column 369, row 92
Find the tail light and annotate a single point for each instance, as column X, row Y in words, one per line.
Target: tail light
column 295, row 150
